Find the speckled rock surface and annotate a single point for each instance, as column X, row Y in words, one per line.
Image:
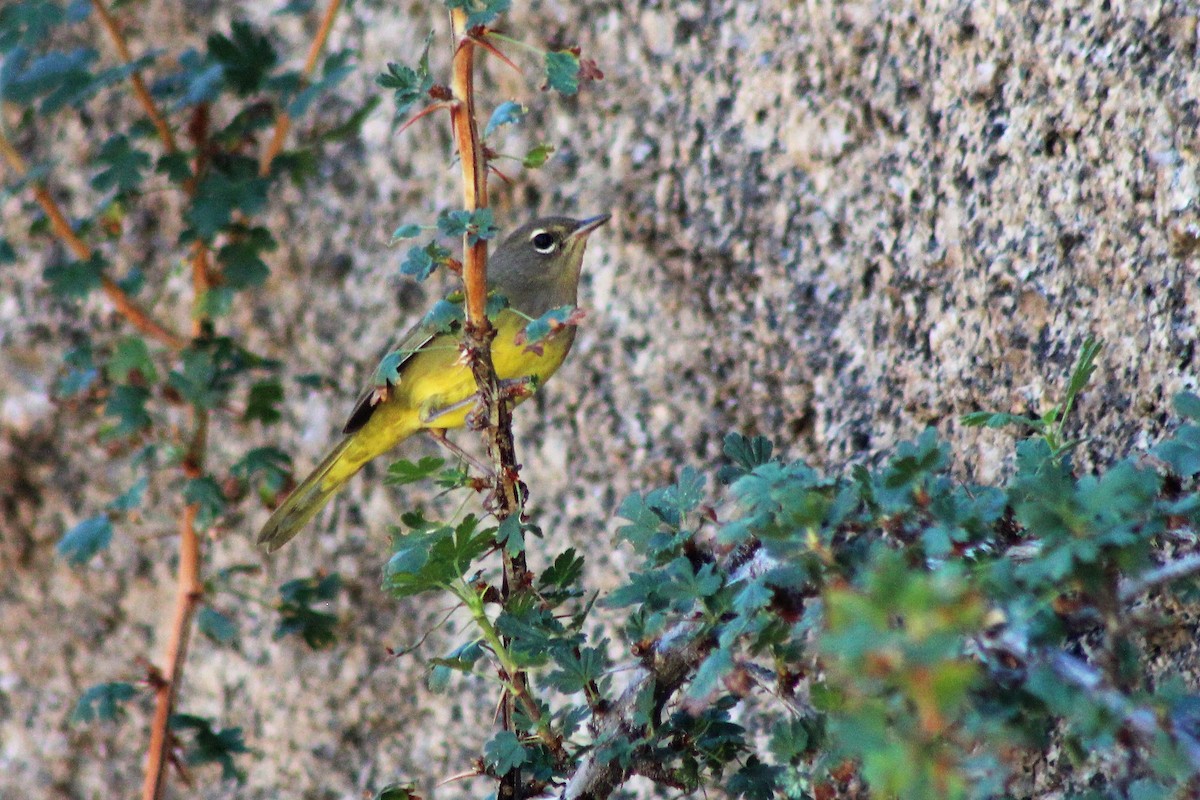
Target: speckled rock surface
column 834, row 224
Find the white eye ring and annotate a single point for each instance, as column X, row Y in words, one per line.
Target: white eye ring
column 543, row 241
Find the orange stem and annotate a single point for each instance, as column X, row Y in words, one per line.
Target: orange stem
column 187, row 596
column 466, row 133
column 283, row 122
column 139, row 85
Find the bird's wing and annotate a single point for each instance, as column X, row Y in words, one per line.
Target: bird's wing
column 389, row 373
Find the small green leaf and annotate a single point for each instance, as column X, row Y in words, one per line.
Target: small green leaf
column 216, row 626
column 553, row 321
column 85, row 540
column 210, row 746
column 246, row 57
column 131, row 360
column 262, row 402
column 537, row 156
column 103, row 702
column 408, row 231
column 475, row 225
column 131, row 498
column 507, row 113
column 408, row 85
column 75, row 279
column 123, row 165
column 81, row 372
column 297, row 616
column 422, row 261
column 128, row 405
column 241, row 261
column 403, row 472
column 206, row 493
column 396, row 791
column 480, row 12
column 562, row 71
column 1187, row 404
column 564, row 572
column 504, row 753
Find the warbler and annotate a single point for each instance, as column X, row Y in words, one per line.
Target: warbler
column 431, row 388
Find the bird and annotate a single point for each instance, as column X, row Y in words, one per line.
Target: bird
column 429, row 387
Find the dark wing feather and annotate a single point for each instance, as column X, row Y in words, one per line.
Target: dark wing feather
column 413, row 340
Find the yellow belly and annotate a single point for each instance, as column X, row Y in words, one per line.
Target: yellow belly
column 435, row 379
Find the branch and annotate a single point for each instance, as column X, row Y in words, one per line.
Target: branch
column 671, row 663
column 493, row 413
column 674, row 660
column 1185, row 567
column 124, row 304
column 283, row 121
column 135, row 77
column 187, row 596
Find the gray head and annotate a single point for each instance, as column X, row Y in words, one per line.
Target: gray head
column 537, row 266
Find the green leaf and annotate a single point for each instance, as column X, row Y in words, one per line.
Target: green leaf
column 577, row 671
column 553, row 321
column 28, row 24
column 1187, row 404
column 510, row 535
column 128, row 405
column 241, row 262
column 262, row 402
column 210, row 746
column 270, row 464
column 123, row 165
column 988, row 419
column 408, row 85
column 85, row 540
column 131, row 498
column 475, row 225
column 396, row 791
column 537, row 156
column 103, row 702
column 403, row 472
column 755, row 781
column 246, row 57
column 407, row 231
column 507, row 113
column 197, row 379
column 206, row 493
column 336, row 69
column 131, row 361
column 61, row 76
column 480, row 12
column 235, row 187
column 216, row 626
column 562, row 71
column 422, row 261
column 297, row 616
column 564, row 572
column 503, row 753
column 75, row 279
column 716, row 666
column 81, row 372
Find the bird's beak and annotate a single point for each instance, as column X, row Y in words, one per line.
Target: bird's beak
column 586, row 226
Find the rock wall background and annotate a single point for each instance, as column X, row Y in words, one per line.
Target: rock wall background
column 834, row 224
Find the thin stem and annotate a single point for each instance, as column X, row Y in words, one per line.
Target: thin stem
column 187, row 596
column 124, row 304
column 283, row 122
column 509, row 40
column 139, row 86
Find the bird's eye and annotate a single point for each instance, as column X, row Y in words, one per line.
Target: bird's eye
column 544, row 242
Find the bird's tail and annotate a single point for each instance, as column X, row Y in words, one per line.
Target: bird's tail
column 309, row 497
